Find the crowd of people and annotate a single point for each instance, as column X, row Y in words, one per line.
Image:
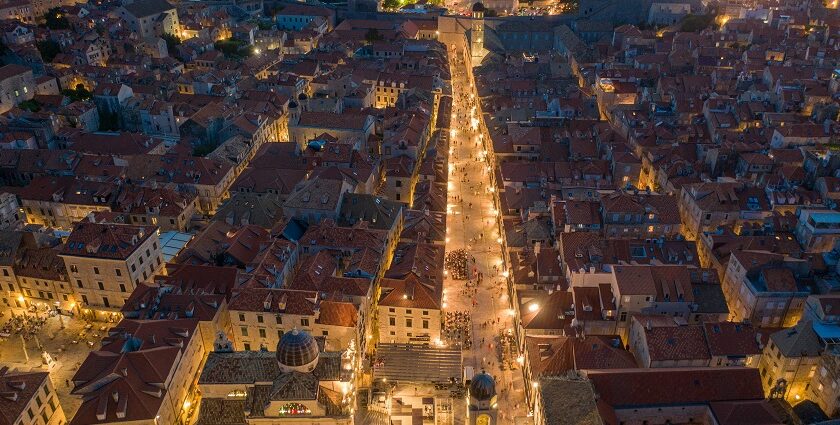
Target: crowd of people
column 507, row 350
column 459, row 264
column 457, row 329
column 28, row 326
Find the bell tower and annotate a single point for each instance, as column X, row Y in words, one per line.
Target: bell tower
column 482, row 400
column 477, row 33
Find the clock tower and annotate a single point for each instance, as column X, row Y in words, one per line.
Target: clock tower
column 482, row 396
column 477, row 33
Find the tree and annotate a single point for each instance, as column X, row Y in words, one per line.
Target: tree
column 48, row 49
column 30, row 105
column 372, row 35
column 265, row 24
column 56, row 20
column 696, row 23
column 77, row 94
column 171, row 40
column 203, row 149
column 234, row 49
column 390, row 4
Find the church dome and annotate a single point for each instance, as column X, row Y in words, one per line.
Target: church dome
column 298, row 351
column 483, row 387
column 293, row 104
column 478, row 7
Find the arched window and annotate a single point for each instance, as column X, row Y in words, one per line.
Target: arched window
column 294, row 409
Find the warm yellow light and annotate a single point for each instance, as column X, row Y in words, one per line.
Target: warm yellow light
column 20, row 298
column 187, row 404
column 533, row 307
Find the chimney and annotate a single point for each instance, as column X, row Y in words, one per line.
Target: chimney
column 648, row 325
column 102, row 408
column 267, row 302
column 122, row 407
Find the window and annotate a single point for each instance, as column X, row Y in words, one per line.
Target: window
column 141, row 259
column 105, row 302
column 241, row 317
column 425, row 312
column 279, row 319
column 391, row 310
column 148, row 254
column 279, row 333
column 244, row 330
column 96, row 270
column 262, row 333
column 425, row 324
column 399, row 183
column 133, row 267
column 304, row 322
column 38, row 400
column 408, row 323
column 118, row 272
column 408, row 311
column 392, row 321
column 79, row 283
column 247, row 346
column 122, row 287
column 84, row 299
column 101, row 286
column 5, row 272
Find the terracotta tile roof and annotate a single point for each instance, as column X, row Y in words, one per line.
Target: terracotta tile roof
column 122, row 143
column 327, row 234
column 676, row 343
column 424, row 226
column 106, row 240
column 424, row 260
column 779, row 279
column 17, row 389
column 732, row 339
column 206, row 244
column 274, row 301
column 246, row 243
column 581, row 212
column 135, row 362
column 410, row 292
column 664, row 282
column 313, row 269
column 750, row 412
column 327, row 120
column 548, row 311
column 41, row 263
column 644, row 387
column 338, row 314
